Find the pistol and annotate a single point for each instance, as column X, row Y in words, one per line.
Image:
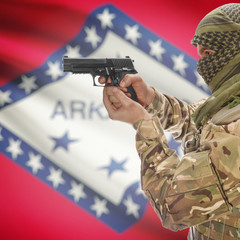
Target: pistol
column 113, row 68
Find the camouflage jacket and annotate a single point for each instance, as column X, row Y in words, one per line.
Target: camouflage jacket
column 203, row 188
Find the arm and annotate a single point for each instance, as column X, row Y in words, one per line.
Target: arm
column 203, row 186
column 174, row 114
column 193, row 190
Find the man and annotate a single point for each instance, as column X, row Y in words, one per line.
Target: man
column 202, row 191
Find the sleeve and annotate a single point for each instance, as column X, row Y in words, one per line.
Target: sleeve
column 174, row 114
column 196, row 189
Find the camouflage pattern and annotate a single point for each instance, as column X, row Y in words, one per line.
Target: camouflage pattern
column 200, row 190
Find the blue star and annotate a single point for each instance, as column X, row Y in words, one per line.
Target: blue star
column 63, row 141
column 114, row 166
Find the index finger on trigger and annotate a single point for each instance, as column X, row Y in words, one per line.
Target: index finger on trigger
column 101, row 80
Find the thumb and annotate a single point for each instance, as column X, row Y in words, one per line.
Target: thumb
column 126, row 81
column 129, row 79
column 121, row 97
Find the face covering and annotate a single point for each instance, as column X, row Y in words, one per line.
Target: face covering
column 219, row 31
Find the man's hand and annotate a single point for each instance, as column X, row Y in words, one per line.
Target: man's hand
column 128, row 110
column 145, row 94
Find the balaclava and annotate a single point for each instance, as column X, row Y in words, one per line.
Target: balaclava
column 219, row 31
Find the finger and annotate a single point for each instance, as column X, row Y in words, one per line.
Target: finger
column 124, row 89
column 107, row 103
column 117, row 105
column 129, row 79
column 120, row 96
column 109, row 90
column 128, row 94
column 113, row 99
column 101, row 80
column 108, row 81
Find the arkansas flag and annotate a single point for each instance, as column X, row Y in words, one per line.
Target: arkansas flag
column 68, row 171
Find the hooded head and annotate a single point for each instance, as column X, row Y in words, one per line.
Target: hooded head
column 219, row 31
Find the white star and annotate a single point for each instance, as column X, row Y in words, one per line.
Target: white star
column 54, row 70
column 106, row 18
column 55, row 177
column 179, row 64
column 132, row 207
column 132, row 33
column 156, row 49
column 73, row 51
column 1, row 136
column 28, row 83
column 99, row 207
column 14, row 148
column 77, row 191
column 4, row 97
column 200, row 82
column 92, row 36
column 34, row 162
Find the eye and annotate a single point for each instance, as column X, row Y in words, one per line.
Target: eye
column 208, row 52
column 204, row 51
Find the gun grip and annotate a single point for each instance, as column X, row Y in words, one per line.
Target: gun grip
column 133, row 93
